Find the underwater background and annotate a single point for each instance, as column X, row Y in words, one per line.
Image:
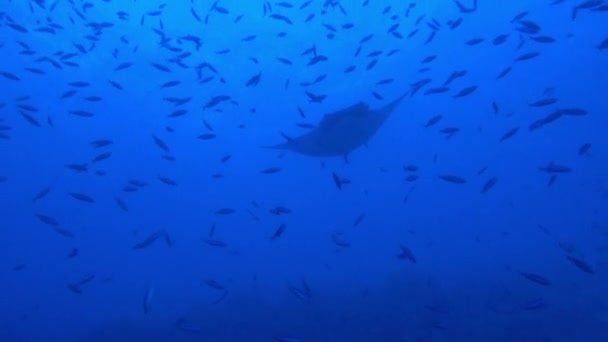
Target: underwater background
column 159, row 182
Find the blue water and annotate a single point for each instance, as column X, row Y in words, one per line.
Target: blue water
column 135, row 208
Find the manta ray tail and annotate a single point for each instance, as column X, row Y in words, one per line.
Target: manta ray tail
column 282, row 146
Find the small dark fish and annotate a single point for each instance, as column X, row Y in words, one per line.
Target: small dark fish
column 78, row 167
column 527, row 56
column 82, row 113
column 572, row 111
column 147, row 303
column 73, row 253
column 411, row 178
column 79, row 84
column 41, row 194
column 582, row 265
column 271, row 170
column 101, row 143
column 543, row 39
column 509, row 134
column 316, row 59
column 583, row 150
column 254, row 80
column 359, row 219
column 536, row 278
column 555, row 168
column 212, row 230
column 543, row 102
column 500, row 39
column 30, row 119
column 337, row 181
column 465, row 91
column 303, row 292
column 214, row 284
column 434, row 120
column 81, row 197
column 534, row 304
column 160, row 143
column 137, row 183
column 305, row 125
column 215, row 243
column 207, row 136
column 474, row 41
column 279, row 231
column 123, row 66
column 552, row 180
column 453, row 179
column 504, row 72
column 47, row 220
column 116, row 85
column 102, row 156
column 314, row 97
column 63, row 232
column 450, row 131
column 121, row 204
column 150, row 239
column 406, row 254
column 281, row 17
column 167, row 180
column 93, row 98
column 9, row 76
column 74, row 288
column 279, row 210
column 170, row 84
column 225, row 211
column 349, row 69
column 338, row 240
column 489, row 184
column 160, row 67
column 437, row 90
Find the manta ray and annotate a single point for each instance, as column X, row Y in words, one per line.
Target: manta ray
column 340, row 132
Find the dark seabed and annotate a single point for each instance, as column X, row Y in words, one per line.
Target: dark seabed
column 304, row 171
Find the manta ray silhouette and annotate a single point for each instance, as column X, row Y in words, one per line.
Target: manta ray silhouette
column 342, row 131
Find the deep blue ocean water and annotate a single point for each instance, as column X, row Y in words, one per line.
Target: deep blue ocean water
column 140, row 201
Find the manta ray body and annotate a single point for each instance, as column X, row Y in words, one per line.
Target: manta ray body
column 342, row 131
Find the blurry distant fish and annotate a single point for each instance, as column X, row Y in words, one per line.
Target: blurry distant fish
column 406, row 254
column 359, row 219
column 339, row 181
column 463, row 9
column 279, row 232
column 453, row 179
column 582, row 265
column 434, row 120
column 41, row 194
column 536, row 278
column 302, row 292
column 339, row 240
column 150, row 239
column 147, row 303
column 534, row 304
column 583, row 150
column 76, row 287
column 489, row 184
column 552, row 167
